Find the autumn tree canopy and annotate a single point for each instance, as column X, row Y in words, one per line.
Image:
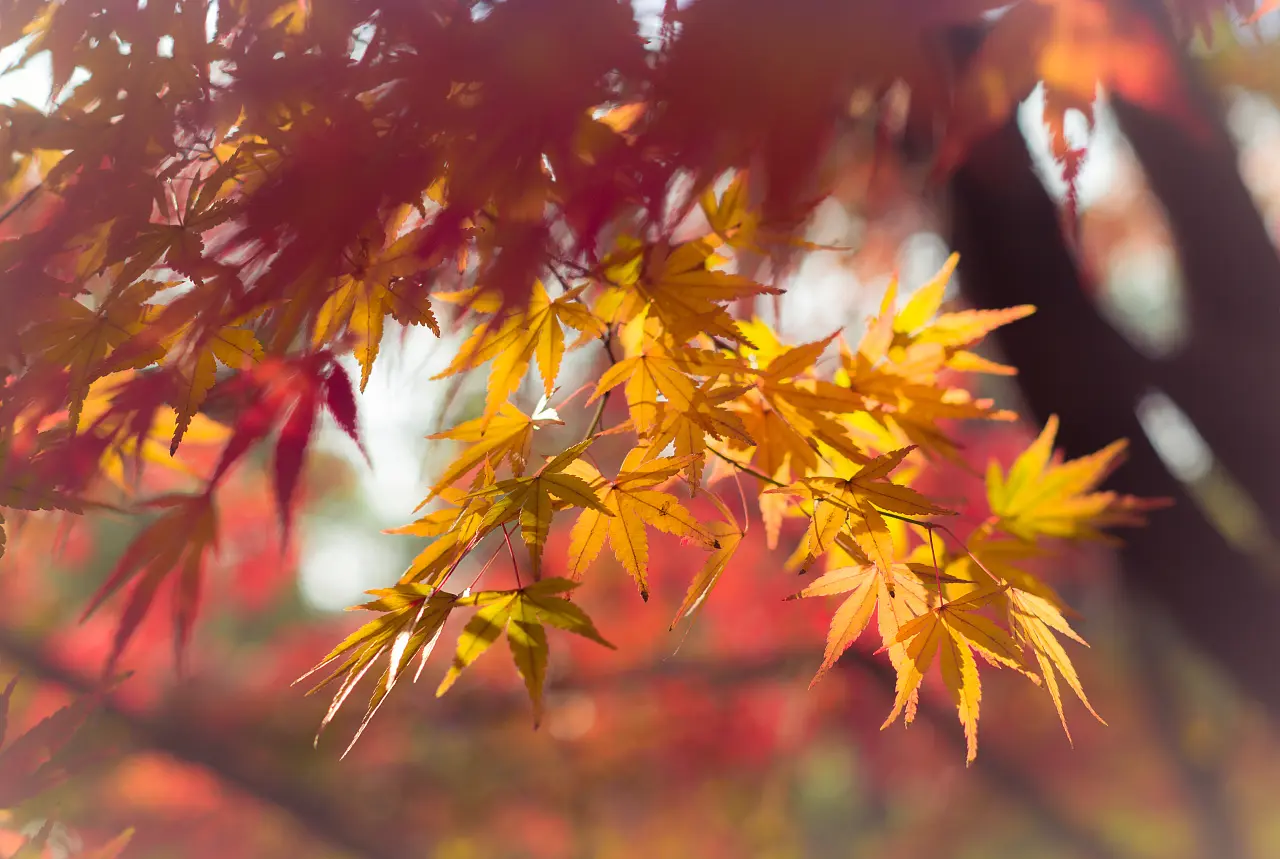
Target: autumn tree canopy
column 222, row 200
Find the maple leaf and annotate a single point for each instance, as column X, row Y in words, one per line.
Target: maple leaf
column 456, row 530
column 1042, row 495
column 733, row 219
column 24, row 487
column 1032, row 607
column 176, row 542
column 1034, row 621
column 728, row 536
column 411, row 618
column 855, row 503
column 523, row 615
column 629, row 503
column 513, row 341
column 180, row 245
column 687, row 430
column 917, row 334
column 532, row 500
column 649, row 371
column 991, row 559
column 955, row 630
column 126, row 423
column 862, row 583
column 802, row 405
column 234, row 347
column 678, row 286
column 292, row 392
column 901, row 595
column 79, row 339
column 789, row 415
column 505, row 435
column 871, row 483
column 379, row 284
column 899, row 362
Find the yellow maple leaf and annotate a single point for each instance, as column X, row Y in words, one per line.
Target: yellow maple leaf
column 734, row 220
column 871, row 483
column 533, row 500
column 687, row 429
column 649, row 370
column 854, row 505
column 679, row 286
column 1044, row 496
column 515, row 340
column 954, row 630
column 862, row 583
column 900, row 596
column 1035, row 620
column 506, row 435
column 523, row 616
column 365, row 298
column 78, row 338
column 728, row 536
column 132, row 439
column 630, row 503
column 411, row 618
column 197, row 367
column 790, row 413
column 453, row 531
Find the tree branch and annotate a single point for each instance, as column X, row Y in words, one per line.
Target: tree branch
column 1000, row 774
column 317, row 814
column 20, row 202
column 604, row 398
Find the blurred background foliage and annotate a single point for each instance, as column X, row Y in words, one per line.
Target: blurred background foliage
column 697, row 745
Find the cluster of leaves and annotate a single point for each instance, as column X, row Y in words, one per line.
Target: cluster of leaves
column 707, row 399
column 233, row 196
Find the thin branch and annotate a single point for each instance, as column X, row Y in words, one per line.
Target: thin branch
column 186, row 740
column 938, row 526
column 324, row 819
column 604, row 398
column 998, row 773
column 20, row 202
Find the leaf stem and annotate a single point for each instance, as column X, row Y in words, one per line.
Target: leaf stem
column 515, row 568
column 938, row 526
column 484, row 569
column 758, row 475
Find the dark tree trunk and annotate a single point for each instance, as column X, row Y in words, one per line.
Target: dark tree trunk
column 1073, row 363
column 1223, row 377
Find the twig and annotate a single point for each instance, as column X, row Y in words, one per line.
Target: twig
column 21, row 201
column 938, row 526
column 604, row 398
column 758, row 475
